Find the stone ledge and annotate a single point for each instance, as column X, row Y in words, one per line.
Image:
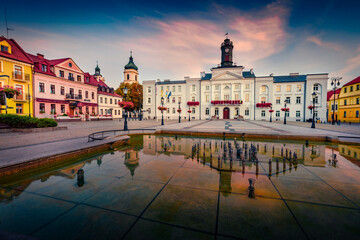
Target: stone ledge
column 34, row 130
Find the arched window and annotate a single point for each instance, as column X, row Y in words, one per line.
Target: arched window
column 193, row 88
column 193, row 110
column 193, row 99
column 128, row 77
column 217, row 111
column 207, row 111
column 136, row 77
column 237, row 111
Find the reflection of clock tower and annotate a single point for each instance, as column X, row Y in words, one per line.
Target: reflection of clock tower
column 227, row 53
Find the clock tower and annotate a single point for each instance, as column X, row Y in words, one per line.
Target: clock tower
column 227, row 53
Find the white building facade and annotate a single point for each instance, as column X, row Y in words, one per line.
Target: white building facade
column 229, row 92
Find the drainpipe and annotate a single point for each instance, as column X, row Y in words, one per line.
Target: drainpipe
column 254, row 96
column 155, row 100
column 304, row 100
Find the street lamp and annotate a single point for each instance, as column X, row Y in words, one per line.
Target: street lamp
column 285, row 102
column 335, row 81
column 271, row 111
column 179, row 110
column 189, row 113
column 125, row 122
column 313, row 117
column 162, row 109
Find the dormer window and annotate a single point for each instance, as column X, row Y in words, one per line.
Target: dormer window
column 4, row 48
column 87, row 79
column 44, row 68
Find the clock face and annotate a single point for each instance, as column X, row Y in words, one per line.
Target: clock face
column 226, row 50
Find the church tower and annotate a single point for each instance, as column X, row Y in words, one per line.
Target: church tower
column 227, row 53
column 97, row 74
column 131, row 73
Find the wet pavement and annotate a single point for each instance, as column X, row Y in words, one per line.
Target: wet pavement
column 191, row 188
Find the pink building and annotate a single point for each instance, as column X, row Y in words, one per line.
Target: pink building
column 59, row 88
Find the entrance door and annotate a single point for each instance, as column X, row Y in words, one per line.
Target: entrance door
column 226, row 113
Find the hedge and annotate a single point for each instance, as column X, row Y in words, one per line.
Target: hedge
column 16, row 121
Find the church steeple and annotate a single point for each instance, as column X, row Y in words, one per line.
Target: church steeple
column 97, row 70
column 131, row 71
column 227, row 53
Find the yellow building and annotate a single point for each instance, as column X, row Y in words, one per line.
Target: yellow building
column 333, row 109
column 349, row 108
column 16, row 71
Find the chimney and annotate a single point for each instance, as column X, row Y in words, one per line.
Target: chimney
column 294, row 74
column 186, row 77
column 271, row 74
column 40, row 55
column 251, row 70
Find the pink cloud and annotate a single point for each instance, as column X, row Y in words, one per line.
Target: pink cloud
column 325, row 44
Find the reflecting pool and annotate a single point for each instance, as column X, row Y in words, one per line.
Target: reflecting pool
column 161, row 187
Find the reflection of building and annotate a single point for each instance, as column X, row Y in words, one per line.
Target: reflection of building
column 350, row 152
column 131, row 160
column 230, row 91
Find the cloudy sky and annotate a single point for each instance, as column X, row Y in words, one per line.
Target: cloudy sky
column 173, row 39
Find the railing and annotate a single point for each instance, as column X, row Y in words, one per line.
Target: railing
column 73, row 96
column 21, row 76
column 105, row 134
column 71, row 78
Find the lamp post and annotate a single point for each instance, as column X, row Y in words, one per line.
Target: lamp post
column 271, row 111
column 162, row 109
column 179, row 112
column 335, row 81
column 285, row 102
column 189, row 113
column 313, row 117
column 125, row 122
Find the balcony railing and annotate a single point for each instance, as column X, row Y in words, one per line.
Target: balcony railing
column 71, row 78
column 73, row 96
column 18, row 76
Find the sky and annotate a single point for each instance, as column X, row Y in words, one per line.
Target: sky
column 174, row 39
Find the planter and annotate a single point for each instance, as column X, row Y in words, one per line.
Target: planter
column 9, row 95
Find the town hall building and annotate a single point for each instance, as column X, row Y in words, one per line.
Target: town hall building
column 231, row 92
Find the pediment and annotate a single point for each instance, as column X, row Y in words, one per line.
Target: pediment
column 227, row 75
column 70, row 65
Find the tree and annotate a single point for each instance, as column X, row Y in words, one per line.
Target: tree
column 135, row 93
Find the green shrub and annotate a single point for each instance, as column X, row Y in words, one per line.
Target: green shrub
column 16, row 121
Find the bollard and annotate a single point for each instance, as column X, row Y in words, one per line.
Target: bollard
column 282, row 152
column 80, row 177
column 251, row 187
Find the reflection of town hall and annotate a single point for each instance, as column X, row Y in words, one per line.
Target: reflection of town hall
column 229, row 92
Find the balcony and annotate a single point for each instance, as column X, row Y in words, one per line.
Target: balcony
column 21, row 77
column 73, row 96
column 71, row 78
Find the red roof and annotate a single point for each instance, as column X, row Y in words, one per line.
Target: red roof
column 330, row 94
column 38, row 62
column 17, row 53
column 94, row 82
column 356, row 80
column 58, row 61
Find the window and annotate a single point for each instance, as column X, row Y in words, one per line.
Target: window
column 44, row 68
column 149, row 100
column 246, row 97
column 42, row 107
column 358, row 87
column 278, row 88
column 207, row 111
column 237, row 96
column 78, row 78
column 41, row 87
column 86, row 94
column 87, row 79
column 127, row 76
column 207, row 98
column 110, row 100
column 19, row 108
column 357, row 100
column 263, row 100
column 298, row 99
column 344, row 114
column 93, row 95
column 18, row 72
column 101, row 112
column 237, row 86
column 62, row 108
column 173, row 100
column 247, row 112
column 277, row 100
column 351, row 88
column 263, row 89
column 71, row 77
column 101, row 100
column 357, row 114
column 277, row 113
column 173, row 110
column 62, row 90
column 316, row 99
column 173, row 88
column 71, row 91
column 226, row 97
column 193, row 88
column 149, row 89
column 297, row 113
column 162, row 88
column 135, row 77
column 217, row 87
column 179, row 88
column 316, row 87
column 193, row 99
column 237, row 111
column 105, row 100
column 179, row 99
column 80, row 94
column 217, row 111
column 52, row 89
column 288, row 88
column 207, row 88
column 217, row 97
column 263, row 113
column 298, row 88
column 288, row 100
column 21, row 90
column 61, row 73
column 167, row 100
column 4, row 48
column 53, row 109
column 247, row 86
column 287, row 114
